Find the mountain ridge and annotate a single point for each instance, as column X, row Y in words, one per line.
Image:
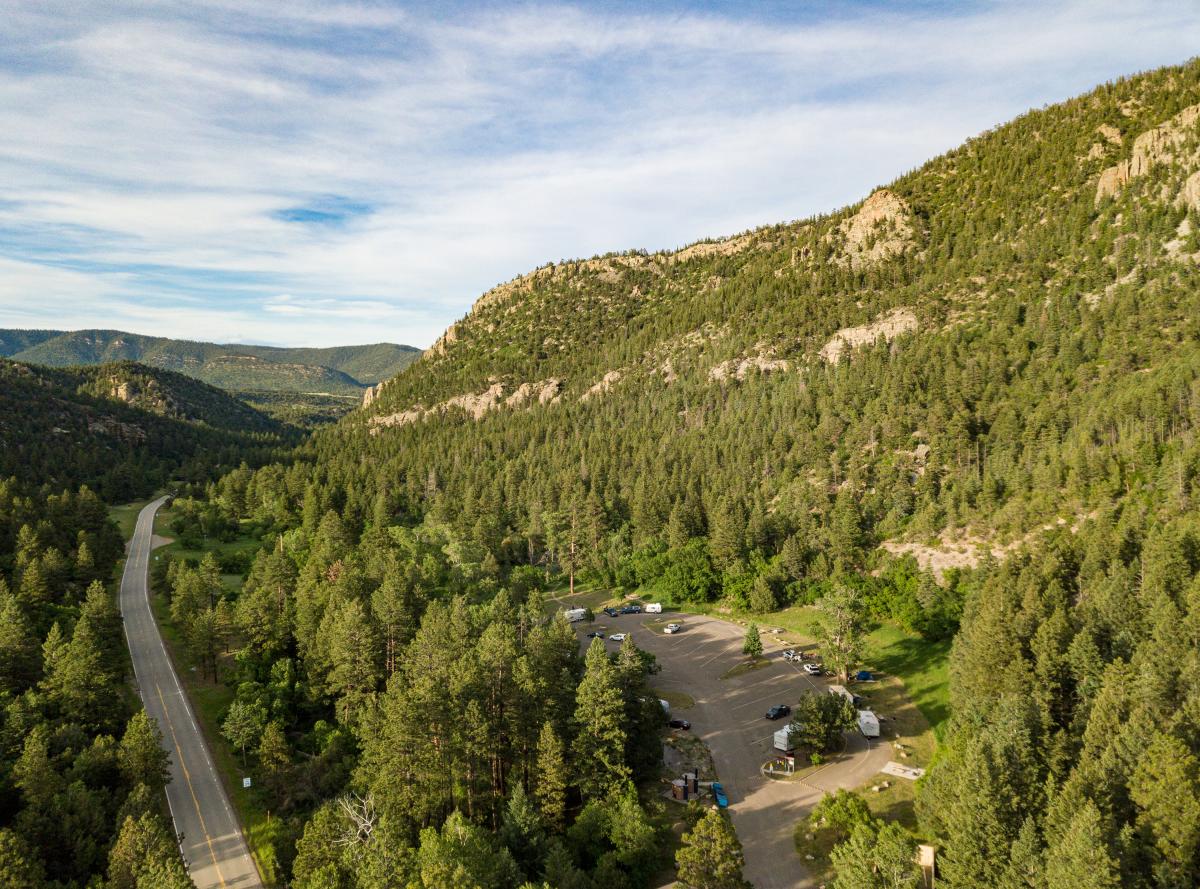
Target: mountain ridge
column 341, row 370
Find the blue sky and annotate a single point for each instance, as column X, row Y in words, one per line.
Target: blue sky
column 309, row 173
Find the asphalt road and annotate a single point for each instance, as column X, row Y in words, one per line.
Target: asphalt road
column 729, row 717
column 212, row 842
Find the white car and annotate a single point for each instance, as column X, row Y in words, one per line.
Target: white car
column 617, row 637
column 812, row 669
column 790, row 654
column 672, row 628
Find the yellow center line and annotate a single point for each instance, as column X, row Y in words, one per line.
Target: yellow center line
column 187, row 777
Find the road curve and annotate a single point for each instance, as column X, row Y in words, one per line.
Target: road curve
column 211, row 838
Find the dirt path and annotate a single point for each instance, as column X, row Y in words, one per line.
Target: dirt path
column 728, row 717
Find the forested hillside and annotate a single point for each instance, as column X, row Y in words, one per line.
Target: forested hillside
column 991, row 366
column 124, row 429
column 340, row 370
column 81, row 768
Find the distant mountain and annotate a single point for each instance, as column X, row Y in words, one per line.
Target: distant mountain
column 124, row 429
column 172, row 395
column 14, row 341
column 343, row 370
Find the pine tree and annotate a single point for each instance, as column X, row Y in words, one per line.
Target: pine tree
column 883, row 859
column 727, row 539
column 354, row 660
column 1080, row 859
column 461, row 854
column 274, row 758
column 839, row 631
column 78, row 682
column 144, row 857
column 18, row 646
column 599, row 748
column 711, row 856
column 550, row 781
column 752, row 646
column 142, row 757
column 243, row 724
column 19, row 866
column 1165, row 786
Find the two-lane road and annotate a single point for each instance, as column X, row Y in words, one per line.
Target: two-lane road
column 212, row 842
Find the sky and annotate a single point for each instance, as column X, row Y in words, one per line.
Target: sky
column 330, row 173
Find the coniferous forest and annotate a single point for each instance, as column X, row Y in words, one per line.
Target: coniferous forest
column 996, row 354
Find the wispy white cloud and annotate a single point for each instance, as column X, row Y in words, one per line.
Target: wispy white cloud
column 159, row 156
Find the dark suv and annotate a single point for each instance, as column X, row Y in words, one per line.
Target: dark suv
column 779, row 711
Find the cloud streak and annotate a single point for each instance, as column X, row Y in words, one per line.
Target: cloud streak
column 178, row 167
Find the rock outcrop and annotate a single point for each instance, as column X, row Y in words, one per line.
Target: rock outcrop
column 605, row 384
column 737, row 368
column 476, row 404
column 888, row 327
column 880, row 230
column 372, row 393
column 1157, row 146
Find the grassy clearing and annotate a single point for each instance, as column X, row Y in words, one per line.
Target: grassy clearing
column 126, row 516
column 920, row 665
column 176, row 549
column 905, row 728
column 677, row 699
column 746, row 667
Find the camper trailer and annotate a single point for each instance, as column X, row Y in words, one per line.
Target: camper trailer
column 783, row 739
column 868, row 724
column 574, row 615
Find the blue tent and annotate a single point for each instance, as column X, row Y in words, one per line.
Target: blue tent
column 863, row 676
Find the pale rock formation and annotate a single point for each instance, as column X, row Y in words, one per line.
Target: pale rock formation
column 888, row 327
column 881, row 229
column 604, row 385
column 1159, row 145
column 738, row 368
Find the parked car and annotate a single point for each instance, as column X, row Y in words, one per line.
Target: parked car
column 789, row 654
column 611, row 612
column 632, row 609
column 617, row 637
column 779, row 711
column 672, row 628
column 680, row 723
column 595, row 635
column 719, row 793
column 812, row 669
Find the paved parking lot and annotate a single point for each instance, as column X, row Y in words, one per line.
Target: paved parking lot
column 728, row 717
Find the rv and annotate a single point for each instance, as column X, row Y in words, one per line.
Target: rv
column 574, row 615
column 654, row 608
column 842, row 692
column 868, row 724
column 783, row 739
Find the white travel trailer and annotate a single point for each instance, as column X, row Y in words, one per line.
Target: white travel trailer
column 868, row 724
column 574, row 615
